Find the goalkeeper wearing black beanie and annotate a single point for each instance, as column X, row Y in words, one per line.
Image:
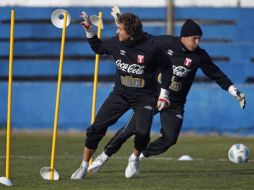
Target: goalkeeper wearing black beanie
column 190, row 28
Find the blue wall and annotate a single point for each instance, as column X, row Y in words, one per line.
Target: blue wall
column 208, row 109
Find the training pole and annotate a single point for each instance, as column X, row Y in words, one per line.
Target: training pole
column 6, row 181
column 52, row 162
column 49, row 173
column 96, row 68
column 95, row 81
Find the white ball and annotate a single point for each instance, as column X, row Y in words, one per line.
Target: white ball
column 238, row 153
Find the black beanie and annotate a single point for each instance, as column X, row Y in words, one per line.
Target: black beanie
column 190, row 28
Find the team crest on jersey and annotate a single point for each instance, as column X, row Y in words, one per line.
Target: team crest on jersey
column 187, row 62
column 140, row 59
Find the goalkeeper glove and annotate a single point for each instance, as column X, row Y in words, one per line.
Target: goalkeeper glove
column 238, row 95
column 115, row 12
column 163, row 101
column 87, row 25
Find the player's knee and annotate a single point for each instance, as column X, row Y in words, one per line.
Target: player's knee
column 169, row 141
column 94, row 136
column 142, row 133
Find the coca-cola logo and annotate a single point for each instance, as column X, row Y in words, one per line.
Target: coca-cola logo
column 180, row 71
column 132, row 69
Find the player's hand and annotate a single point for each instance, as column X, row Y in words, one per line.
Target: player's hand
column 86, row 21
column 163, row 101
column 115, row 12
column 241, row 98
column 238, row 95
column 87, row 25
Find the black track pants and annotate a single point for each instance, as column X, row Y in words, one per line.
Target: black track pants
column 171, row 123
column 112, row 109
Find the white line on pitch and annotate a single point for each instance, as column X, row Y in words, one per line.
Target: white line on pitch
column 115, row 158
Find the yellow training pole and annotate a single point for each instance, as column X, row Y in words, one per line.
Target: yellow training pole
column 58, row 99
column 8, row 136
column 6, row 180
column 95, row 81
column 96, row 67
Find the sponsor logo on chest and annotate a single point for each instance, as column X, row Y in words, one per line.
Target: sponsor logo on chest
column 180, row 71
column 132, row 69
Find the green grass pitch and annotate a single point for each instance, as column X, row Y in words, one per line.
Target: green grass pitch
column 210, row 168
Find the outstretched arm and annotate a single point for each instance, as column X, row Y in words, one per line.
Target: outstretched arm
column 214, row 73
column 98, row 46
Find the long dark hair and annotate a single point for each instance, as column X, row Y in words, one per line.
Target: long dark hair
column 132, row 24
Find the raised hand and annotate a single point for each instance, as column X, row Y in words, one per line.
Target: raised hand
column 115, row 12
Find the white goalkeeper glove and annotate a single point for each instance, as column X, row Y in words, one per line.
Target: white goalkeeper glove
column 87, row 25
column 163, row 101
column 238, row 95
column 115, row 12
